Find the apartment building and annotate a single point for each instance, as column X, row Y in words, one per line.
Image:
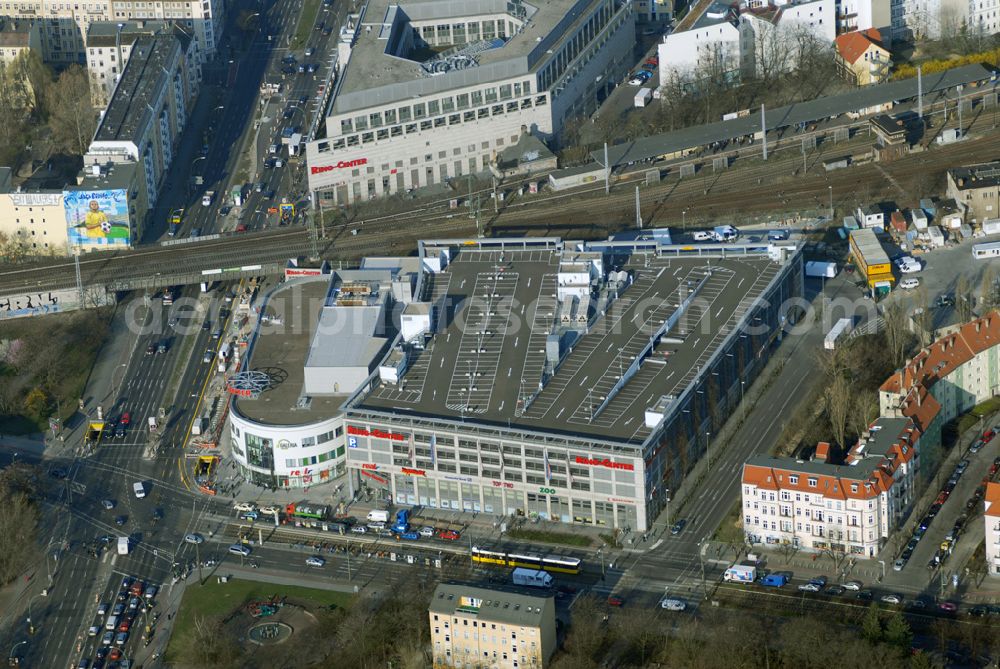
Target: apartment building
column 18, row 37
column 991, row 518
column 946, row 379
column 495, row 627
column 109, row 46
column 849, row 506
column 746, row 38
column 976, row 188
column 64, row 26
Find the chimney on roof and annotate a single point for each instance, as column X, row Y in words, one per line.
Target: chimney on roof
column 822, row 451
column 918, row 399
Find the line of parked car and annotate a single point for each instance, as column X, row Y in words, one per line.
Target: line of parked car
column 646, row 72
column 945, row 549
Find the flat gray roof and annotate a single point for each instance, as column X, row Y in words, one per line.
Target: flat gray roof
column 935, row 86
column 374, row 77
column 489, row 355
column 281, row 350
column 500, row 604
column 144, row 76
column 105, row 33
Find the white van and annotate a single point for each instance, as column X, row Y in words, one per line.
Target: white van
column 702, row 236
column 111, row 624
column 139, row 489
column 123, row 545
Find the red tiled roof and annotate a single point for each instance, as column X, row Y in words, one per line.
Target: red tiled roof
column 992, row 499
column 937, row 361
column 851, row 46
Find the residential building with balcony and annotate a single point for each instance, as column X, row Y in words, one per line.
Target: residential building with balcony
column 849, row 506
column 945, row 380
column 991, row 517
column 861, row 57
column 496, row 627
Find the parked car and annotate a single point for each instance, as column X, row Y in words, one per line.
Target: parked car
column 671, row 604
column 948, row 607
column 427, row 532
column 450, row 535
column 899, row 564
column 615, row 601
column 892, row 598
column 835, row 590
column 854, row 585
column 909, row 283
column 977, row 446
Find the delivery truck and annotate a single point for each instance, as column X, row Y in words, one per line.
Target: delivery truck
column 775, row 580
column 534, row 578
column 378, row 516
column 123, row 545
column 642, row 97
column 741, row 573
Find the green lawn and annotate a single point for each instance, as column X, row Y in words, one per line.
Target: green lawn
column 564, row 538
column 218, row 599
column 307, row 19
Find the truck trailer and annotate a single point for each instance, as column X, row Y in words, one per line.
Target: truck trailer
column 94, row 432
column 378, row 516
column 534, row 578
column 642, row 97
column 821, row 270
column 841, row 327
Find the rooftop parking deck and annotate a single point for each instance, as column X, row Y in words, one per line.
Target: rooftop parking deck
column 487, row 362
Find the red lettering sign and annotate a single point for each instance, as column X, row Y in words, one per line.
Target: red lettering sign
column 303, row 272
column 595, row 462
column 341, row 164
column 378, row 434
column 414, row 472
column 378, row 478
column 369, row 465
column 502, row 484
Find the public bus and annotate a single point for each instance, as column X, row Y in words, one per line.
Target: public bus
column 556, row 563
column 987, row 250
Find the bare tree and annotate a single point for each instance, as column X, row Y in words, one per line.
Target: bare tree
column 838, row 397
column 963, row 298
column 896, row 331
column 989, row 289
column 72, row 117
column 864, row 409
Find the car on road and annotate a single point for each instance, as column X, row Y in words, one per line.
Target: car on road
column 891, row 598
column 315, row 561
column 427, row 532
column 979, row 611
column 961, row 467
column 678, row 527
column 125, row 625
column 310, row 68
column 269, row 195
column 450, row 535
column 242, row 227
column 133, row 604
column 93, row 630
column 327, row 31
column 988, row 436
column 671, row 604
column 194, row 538
column 108, row 638
column 854, row 585
column 108, row 504
column 162, row 347
column 102, row 608
column 918, row 603
column 308, row 52
column 359, row 529
column 151, row 349
column 121, row 639
column 224, row 210
column 912, row 544
column 207, row 358
column 809, row 587
column 865, row 595
column 259, row 187
column 835, row 590
column 615, row 601
column 120, row 432
column 303, row 99
column 240, row 549
column 151, row 592
column 977, row 446
column 948, row 607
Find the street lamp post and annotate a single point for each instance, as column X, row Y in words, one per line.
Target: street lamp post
column 830, row 188
column 882, row 564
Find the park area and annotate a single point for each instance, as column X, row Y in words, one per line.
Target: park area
column 246, row 623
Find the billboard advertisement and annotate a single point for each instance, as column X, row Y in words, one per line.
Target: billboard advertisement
column 97, row 217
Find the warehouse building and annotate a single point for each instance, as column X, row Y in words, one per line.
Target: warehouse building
column 571, row 382
column 432, row 90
